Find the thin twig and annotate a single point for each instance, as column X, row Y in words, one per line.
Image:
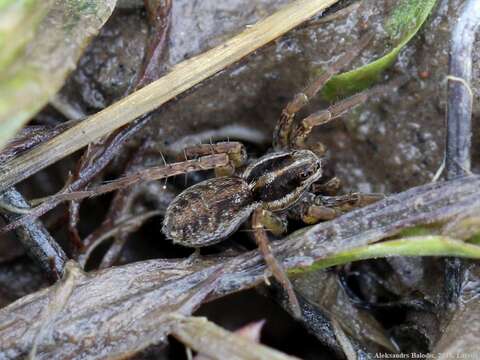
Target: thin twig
column 459, row 118
column 108, row 153
column 40, row 245
column 59, row 298
column 459, row 113
column 103, row 233
column 159, row 16
column 68, row 110
column 93, row 161
column 120, row 208
column 30, row 137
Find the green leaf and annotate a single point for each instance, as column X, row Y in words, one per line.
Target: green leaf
column 18, row 21
column 402, row 25
column 428, row 245
column 40, row 44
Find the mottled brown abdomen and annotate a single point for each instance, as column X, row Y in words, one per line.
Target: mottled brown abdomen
column 208, row 212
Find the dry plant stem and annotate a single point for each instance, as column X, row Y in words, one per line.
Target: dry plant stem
column 60, row 295
column 73, row 219
column 114, row 306
column 31, row 136
column 459, row 112
column 460, row 336
column 40, row 245
column 160, row 15
column 120, row 208
column 149, row 321
column 459, row 116
column 183, row 77
column 250, row 331
column 68, row 110
column 203, row 336
column 339, row 14
column 344, row 341
column 115, row 250
column 93, row 161
column 272, row 263
column 106, row 231
column 86, row 176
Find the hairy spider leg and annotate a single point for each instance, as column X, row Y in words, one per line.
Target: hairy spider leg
column 315, row 208
column 330, row 187
column 282, row 133
column 273, row 223
column 272, row 263
column 235, row 150
column 322, row 117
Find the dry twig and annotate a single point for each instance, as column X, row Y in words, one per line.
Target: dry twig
column 459, row 131
column 459, row 116
column 40, row 245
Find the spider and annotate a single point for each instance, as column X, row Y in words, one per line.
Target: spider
column 269, row 189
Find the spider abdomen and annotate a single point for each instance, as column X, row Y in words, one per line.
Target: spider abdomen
column 208, row 212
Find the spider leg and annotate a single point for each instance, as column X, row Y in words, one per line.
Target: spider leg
column 272, row 222
column 314, row 208
column 323, row 117
column 272, row 263
column 281, row 137
column 330, row 187
column 348, row 202
column 235, row 150
column 315, row 213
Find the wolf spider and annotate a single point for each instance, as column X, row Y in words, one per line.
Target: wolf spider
column 270, row 188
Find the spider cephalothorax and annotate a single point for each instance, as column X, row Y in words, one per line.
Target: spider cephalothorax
column 278, row 180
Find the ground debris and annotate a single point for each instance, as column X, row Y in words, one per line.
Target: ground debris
column 113, row 309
